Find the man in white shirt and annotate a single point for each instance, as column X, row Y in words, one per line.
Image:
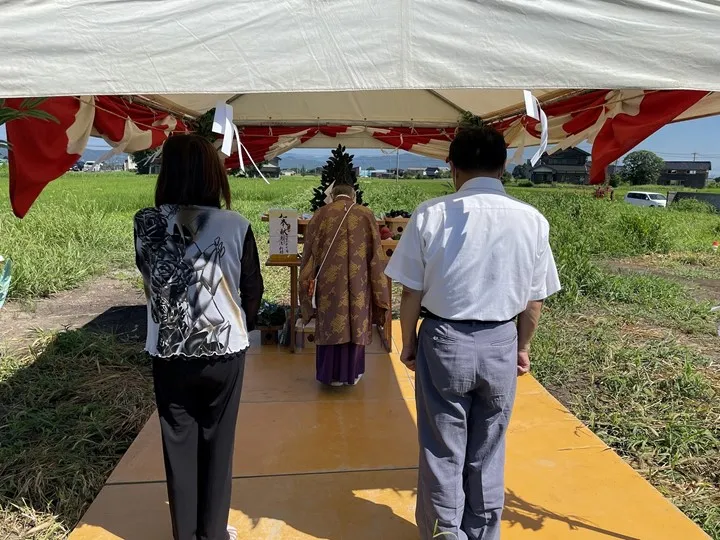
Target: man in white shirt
column 473, row 263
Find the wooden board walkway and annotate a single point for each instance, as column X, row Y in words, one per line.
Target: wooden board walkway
column 341, row 464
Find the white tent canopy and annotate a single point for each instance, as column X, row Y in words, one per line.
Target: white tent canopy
column 209, row 49
column 364, row 73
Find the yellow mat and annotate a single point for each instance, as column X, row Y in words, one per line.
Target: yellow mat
column 341, row 464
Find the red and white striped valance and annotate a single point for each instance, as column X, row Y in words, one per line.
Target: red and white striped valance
column 613, row 121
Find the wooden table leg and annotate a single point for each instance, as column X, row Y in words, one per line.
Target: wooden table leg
column 293, row 305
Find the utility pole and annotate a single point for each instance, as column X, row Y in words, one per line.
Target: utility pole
column 694, row 155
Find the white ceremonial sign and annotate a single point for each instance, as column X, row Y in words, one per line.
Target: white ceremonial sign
column 283, row 232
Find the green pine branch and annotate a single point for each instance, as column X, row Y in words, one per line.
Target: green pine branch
column 469, row 120
column 202, row 125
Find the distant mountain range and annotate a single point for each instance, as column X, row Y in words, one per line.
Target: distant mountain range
column 310, row 159
column 91, row 154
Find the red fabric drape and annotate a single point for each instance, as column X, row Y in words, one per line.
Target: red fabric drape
column 260, row 140
column 624, row 132
column 406, row 138
column 582, row 111
column 111, row 114
column 39, row 150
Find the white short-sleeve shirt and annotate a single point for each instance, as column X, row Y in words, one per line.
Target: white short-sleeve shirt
column 477, row 254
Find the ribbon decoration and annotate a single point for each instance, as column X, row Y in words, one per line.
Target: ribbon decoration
column 223, row 125
column 533, row 110
column 241, row 147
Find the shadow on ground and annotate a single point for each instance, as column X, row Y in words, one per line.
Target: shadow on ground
column 70, row 406
column 524, row 514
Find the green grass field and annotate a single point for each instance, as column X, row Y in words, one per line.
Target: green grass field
column 633, row 354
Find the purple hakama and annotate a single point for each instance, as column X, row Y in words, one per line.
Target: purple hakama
column 339, row 364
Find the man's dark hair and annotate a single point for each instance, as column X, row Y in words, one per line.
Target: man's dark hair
column 191, row 174
column 342, row 189
column 478, row 149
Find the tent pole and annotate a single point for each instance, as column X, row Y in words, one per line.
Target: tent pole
column 397, row 165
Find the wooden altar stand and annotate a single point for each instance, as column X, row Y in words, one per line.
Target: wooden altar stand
column 293, row 263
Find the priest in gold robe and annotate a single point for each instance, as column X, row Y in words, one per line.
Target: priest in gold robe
column 342, row 285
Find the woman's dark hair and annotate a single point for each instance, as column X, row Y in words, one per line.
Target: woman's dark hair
column 191, row 174
column 478, row 149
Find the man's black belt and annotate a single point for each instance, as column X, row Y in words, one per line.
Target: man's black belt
column 426, row 314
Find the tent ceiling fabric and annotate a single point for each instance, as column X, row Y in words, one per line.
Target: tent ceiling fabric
column 106, row 47
column 437, row 108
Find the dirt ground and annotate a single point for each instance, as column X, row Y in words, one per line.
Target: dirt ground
column 703, row 289
column 106, row 302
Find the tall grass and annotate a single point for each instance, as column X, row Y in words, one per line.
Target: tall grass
column 646, row 391
column 82, row 226
column 69, row 410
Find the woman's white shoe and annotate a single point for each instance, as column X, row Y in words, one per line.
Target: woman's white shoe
column 232, row 533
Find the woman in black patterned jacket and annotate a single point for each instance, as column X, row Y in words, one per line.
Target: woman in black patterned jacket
column 202, row 280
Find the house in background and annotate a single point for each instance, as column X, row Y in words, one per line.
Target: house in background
column 154, row 167
column 613, row 170
column 417, row 172
column 271, row 168
column 381, row 173
column 567, row 167
column 692, row 174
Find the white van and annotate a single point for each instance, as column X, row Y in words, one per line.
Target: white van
column 646, row 198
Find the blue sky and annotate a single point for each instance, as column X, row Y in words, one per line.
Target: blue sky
column 673, row 143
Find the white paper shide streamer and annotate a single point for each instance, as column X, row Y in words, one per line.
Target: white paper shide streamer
column 533, row 110
column 223, row 125
column 328, row 191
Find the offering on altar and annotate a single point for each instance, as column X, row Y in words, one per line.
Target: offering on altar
column 396, row 221
column 283, row 234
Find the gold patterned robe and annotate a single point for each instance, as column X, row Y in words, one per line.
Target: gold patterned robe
column 352, row 290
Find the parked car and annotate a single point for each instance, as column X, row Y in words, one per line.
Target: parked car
column 646, row 198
